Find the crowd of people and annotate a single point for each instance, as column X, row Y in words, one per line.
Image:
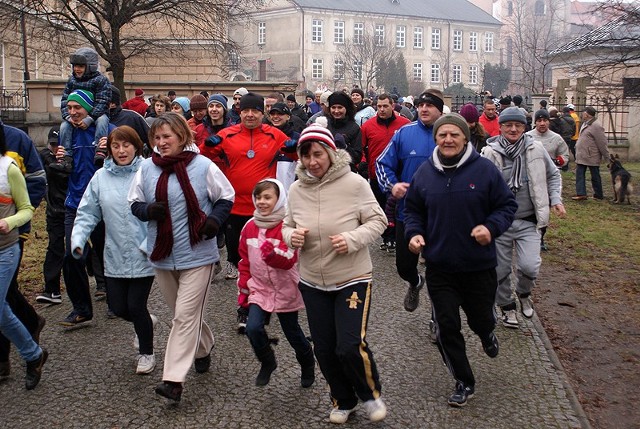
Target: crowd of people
column 297, row 194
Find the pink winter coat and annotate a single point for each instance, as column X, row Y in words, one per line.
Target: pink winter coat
column 268, row 270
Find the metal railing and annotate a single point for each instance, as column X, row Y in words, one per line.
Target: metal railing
column 14, row 104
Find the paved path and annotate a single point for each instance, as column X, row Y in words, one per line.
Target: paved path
column 90, row 381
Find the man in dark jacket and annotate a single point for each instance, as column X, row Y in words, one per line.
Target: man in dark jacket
column 120, row 116
column 456, row 205
column 296, row 109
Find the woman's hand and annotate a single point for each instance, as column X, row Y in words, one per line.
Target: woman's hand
column 4, row 227
column 339, row 243
column 297, row 237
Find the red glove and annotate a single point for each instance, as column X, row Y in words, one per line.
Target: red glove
column 266, row 249
column 559, row 161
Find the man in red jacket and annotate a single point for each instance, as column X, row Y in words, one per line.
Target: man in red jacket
column 137, row 103
column 489, row 118
column 376, row 134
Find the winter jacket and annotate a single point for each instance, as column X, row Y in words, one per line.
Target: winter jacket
column 206, row 129
column 543, row 177
column 57, row 182
column 364, row 113
column 267, row 269
column 119, row 116
column 444, row 205
column 300, row 113
column 491, row 126
column 376, row 135
column 106, row 199
column 554, row 144
column 352, row 137
column 244, row 172
column 137, row 104
column 215, row 197
column 14, row 200
column 410, row 146
column 591, row 147
column 338, row 203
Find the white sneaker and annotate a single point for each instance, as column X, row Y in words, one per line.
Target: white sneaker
column 136, row 340
column 509, row 318
column 146, row 364
column 231, row 272
column 526, row 305
column 339, row 416
column 376, row 409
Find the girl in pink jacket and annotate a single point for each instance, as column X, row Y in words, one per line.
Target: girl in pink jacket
column 268, row 282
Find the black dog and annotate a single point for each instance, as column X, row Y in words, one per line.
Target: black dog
column 621, row 180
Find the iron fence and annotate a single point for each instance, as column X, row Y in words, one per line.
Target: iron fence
column 14, row 104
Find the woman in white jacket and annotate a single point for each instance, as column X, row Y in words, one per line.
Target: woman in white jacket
column 128, row 274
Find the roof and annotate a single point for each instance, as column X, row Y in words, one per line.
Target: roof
column 447, row 10
column 619, row 33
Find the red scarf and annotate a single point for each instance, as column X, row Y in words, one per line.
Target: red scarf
column 195, row 216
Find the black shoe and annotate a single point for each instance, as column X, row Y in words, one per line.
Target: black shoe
column 203, row 364
column 49, row 298
column 243, row 314
column 268, row 360
column 307, row 367
column 490, row 345
column 34, row 370
column 5, row 370
column 74, row 319
column 460, row 395
column 36, row 333
column 391, row 247
column 412, row 298
column 170, row 390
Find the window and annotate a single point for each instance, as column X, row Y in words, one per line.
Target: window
column 457, row 40
column 457, row 73
column 316, row 30
column 417, row 37
column 435, row 38
column 401, row 36
column 317, row 71
column 540, row 8
column 488, row 42
column 473, row 41
column 435, row 73
column 473, row 75
column 338, row 69
column 357, row 70
column 417, row 72
column 379, row 34
column 262, row 33
column 510, row 8
column 338, row 32
column 358, row 33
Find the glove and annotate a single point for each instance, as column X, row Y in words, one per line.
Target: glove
column 157, row 211
column 209, row 229
column 340, row 142
column 266, row 249
column 559, row 161
column 213, row 141
column 290, row 146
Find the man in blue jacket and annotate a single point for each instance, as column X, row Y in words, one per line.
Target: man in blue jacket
column 456, row 206
column 410, row 146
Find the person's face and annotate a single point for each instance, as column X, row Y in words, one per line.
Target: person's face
column 585, row 116
column 291, row 104
column 356, row 98
column 76, row 112
column 266, row 201
column 450, row 140
column 167, row 141
column 79, row 69
column 268, row 103
column 278, row 119
column 490, row 110
column 308, row 100
column 175, row 107
column 251, row 118
column 199, row 113
column 318, row 98
column 159, row 107
column 512, row 130
column 542, row 125
column 338, row 111
column 236, row 100
column 385, row 109
column 317, row 160
column 122, row 152
column 172, row 97
column 428, row 113
column 215, row 111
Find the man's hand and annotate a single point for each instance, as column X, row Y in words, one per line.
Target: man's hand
column 416, row 244
column 559, row 210
column 482, row 235
column 399, row 190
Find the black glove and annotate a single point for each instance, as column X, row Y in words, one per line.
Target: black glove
column 209, row 229
column 290, row 146
column 213, row 141
column 157, row 211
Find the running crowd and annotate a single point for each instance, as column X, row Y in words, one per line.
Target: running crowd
column 296, row 194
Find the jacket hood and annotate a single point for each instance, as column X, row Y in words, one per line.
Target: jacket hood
column 469, row 155
column 340, row 167
column 111, row 166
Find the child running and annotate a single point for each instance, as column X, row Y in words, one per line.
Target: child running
column 268, row 281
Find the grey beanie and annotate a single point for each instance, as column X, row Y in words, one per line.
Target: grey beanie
column 454, row 119
column 542, row 113
column 512, row 114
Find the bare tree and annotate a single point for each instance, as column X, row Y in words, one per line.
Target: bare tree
column 362, row 55
column 120, row 30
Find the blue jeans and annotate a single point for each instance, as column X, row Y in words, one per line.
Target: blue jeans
column 10, row 325
column 596, row 180
column 66, row 132
column 289, row 323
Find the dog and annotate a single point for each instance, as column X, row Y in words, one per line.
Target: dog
column 621, row 180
